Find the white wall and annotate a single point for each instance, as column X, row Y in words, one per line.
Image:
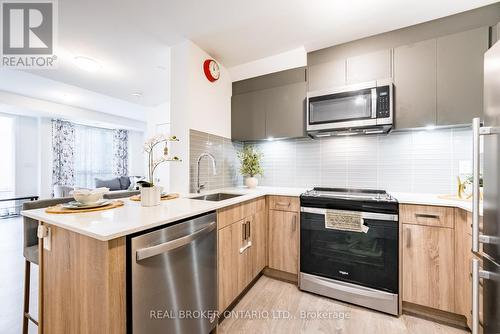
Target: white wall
column 158, row 122
column 26, row 156
column 280, row 62
column 136, row 153
column 196, row 104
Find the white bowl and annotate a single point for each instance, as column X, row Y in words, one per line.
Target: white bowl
column 86, row 196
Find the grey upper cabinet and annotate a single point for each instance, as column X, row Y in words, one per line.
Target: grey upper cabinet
column 326, row 75
column 285, row 115
column 269, row 106
column 495, row 33
column 248, row 115
column 460, row 76
column 368, row 67
column 415, row 85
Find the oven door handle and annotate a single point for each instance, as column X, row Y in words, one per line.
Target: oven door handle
column 364, row 215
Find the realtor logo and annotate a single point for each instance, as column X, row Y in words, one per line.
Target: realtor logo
column 28, row 34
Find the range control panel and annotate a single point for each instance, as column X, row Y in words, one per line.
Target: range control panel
column 383, row 102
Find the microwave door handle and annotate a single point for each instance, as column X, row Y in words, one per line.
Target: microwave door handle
column 374, row 103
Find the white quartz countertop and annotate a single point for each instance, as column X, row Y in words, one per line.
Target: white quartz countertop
column 132, row 217
column 431, row 199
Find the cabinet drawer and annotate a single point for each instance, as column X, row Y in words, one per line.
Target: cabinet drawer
column 426, row 215
column 284, row 203
column 234, row 213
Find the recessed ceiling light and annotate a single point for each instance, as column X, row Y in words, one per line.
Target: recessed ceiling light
column 87, row 64
column 430, row 127
column 137, row 94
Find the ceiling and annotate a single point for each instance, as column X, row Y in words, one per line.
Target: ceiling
column 132, row 39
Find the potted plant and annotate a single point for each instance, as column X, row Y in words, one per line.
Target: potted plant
column 250, row 159
column 151, row 194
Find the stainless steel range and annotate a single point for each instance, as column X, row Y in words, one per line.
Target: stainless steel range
column 349, row 246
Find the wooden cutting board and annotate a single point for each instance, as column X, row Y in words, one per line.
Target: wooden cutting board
column 167, row 197
column 59, row 209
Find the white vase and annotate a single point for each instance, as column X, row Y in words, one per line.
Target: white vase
column 251, row 182
column 151, row 196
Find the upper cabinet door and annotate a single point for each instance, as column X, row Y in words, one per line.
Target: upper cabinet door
column 369, row 67
column 326, row 75
column 415, row 85
column 285, row 116
column 269, row 106
column 460, row 76
column 248, row 116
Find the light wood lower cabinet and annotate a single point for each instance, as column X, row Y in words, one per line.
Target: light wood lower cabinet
column 428, row 266
column 242, row 248
column 82, row 284
column 463, row 261
column 228, row 256
column 284, row 241
column 258, row 236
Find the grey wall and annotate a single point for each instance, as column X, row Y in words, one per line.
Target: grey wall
column 224, row 150
column 417, row 161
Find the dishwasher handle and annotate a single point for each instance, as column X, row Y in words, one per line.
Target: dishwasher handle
column 148, row 252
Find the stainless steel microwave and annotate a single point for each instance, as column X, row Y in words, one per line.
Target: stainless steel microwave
column 358, row 109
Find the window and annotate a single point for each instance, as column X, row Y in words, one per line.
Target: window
column 7, row 175
column 93, row 155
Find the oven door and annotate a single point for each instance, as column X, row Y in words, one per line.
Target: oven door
column 368, row 259
column 343, row 109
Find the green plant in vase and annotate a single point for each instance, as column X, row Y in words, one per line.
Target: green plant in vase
column 250, row 159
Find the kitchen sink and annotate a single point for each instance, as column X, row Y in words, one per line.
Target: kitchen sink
column 216, row 197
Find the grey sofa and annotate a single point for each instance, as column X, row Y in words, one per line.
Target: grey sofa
column 115, row 183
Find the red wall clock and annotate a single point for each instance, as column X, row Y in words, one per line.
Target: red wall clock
column 211, row 69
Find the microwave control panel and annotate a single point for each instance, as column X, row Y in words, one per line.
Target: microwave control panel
column 383, row 102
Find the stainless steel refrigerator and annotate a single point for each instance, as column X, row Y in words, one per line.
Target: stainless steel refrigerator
column 486, row 262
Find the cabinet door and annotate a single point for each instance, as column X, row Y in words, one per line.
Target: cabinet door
column 460, row 76
column 368, row 67
column 244, row 257
column 228, row 255
column 428, row 266
column 258, row 236
column 463, row 258
column 283, row 241
column 285, row 113
column 248, row 115
column 415, row 84
column 326, row 75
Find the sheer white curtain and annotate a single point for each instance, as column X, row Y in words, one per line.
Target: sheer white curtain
column 93, row 155
column 7, row 175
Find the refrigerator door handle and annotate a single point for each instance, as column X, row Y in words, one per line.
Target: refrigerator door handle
column 475, row 296
column 477, row 132
column 476, row 127
column 489, row 239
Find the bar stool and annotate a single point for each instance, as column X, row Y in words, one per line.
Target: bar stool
column 30, row 251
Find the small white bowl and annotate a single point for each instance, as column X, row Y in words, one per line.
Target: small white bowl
column 86, row 196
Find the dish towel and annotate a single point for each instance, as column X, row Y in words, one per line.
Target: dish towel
column 345, row 221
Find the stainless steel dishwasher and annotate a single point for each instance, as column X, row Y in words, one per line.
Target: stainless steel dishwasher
column 173, row 278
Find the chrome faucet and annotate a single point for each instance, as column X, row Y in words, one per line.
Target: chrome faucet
column 199, row 186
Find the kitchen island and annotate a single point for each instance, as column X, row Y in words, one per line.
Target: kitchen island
column 83, row 260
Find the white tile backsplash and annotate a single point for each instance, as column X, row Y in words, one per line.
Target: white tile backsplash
column 417, row 161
